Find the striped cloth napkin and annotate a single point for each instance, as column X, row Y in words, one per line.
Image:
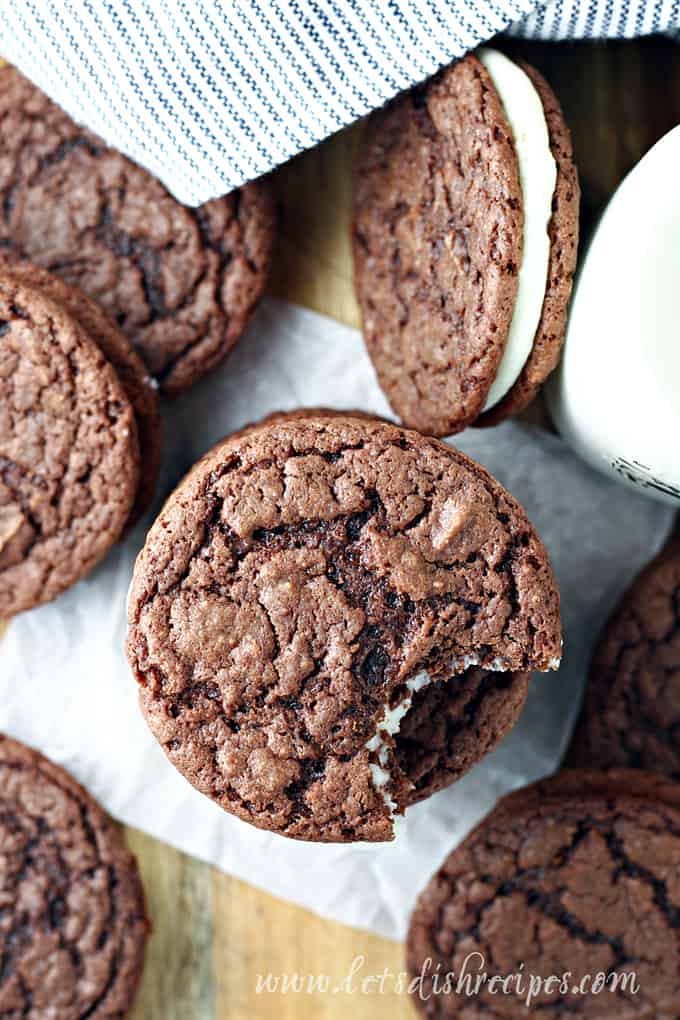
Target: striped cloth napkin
column 208, row 94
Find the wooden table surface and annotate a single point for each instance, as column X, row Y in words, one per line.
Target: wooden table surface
column 215, row 935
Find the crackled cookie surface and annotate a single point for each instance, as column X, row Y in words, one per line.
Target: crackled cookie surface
column 578, row 874
column 300, row 588
column 118, row 350
column 180, row 282
column 439, row 247
column 631, row 712
column 72, row 916
column 69, row 455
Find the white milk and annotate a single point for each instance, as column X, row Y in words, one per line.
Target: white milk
column 616, row 396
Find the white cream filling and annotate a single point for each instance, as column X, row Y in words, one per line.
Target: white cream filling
column 538, row 177
column 496, row 665
column 387, row 727
column 469, row 659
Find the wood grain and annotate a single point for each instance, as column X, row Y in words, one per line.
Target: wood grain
column 258, row 935
column 213, row 934
column 312, row 264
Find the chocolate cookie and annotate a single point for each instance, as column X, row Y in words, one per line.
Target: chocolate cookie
column 69, row 455
column 72, row 917
column 302, row 584
column 570, row 878
column 463, row 296
column 138, row 385
column 631, row 713
column 453, row 723
column 181, row 283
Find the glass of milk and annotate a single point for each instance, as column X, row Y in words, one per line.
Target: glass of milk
column 616, row 396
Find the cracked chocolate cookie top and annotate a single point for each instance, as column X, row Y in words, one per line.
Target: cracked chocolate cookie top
column 570, row 877
column 181, row 283
column 301, row 585
column 631, row 712
column 438, row 244
column 69, row 455
column 129, row 367
column 72, row 916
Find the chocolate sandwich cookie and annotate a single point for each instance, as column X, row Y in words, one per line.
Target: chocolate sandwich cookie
column 72, row 916
column 563, row 902
column 181, row 283
column 631, row 711
column 453, row 723
column 306, row 580
column 69, row 454
column 139, row 387
column 465, row 236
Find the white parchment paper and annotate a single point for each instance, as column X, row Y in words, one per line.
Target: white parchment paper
column 66, row 689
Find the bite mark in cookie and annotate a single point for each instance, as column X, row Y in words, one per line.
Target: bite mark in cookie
column 293, row 587
column 381, row 745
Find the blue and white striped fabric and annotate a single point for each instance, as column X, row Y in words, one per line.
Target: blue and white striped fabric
column 208, row 94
